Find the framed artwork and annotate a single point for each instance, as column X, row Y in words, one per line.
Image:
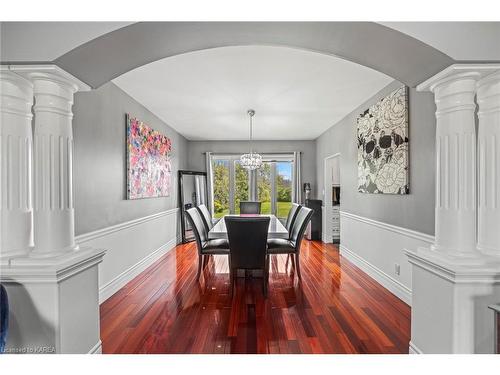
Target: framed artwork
column 148, row 161
column 382, row 132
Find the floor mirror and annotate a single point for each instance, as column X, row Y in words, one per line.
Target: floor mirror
column 192, row 193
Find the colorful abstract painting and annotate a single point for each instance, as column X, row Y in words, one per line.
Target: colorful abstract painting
column 383, row 145
column 148, row 161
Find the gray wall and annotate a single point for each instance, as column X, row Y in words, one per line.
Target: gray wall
column 196, row 157
column 100, row 162
column 414, row 211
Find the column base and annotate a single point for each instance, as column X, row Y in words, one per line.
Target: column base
column 53, row 302
column 36, row 254
column 454, row 257
column 450, row 299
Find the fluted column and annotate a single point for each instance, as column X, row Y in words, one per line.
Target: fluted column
column 455, row 163
column 454, row 282
column 16, row 95
column 53, row 156
column 488, row 97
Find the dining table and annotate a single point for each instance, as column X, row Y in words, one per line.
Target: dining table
column 276, row 228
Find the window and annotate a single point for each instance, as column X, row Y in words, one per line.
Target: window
column 241, row 185
column 220, row 186
column 284, row 185
column 264, row 188
column 272, row 184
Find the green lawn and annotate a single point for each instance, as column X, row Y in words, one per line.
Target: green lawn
column 283, row 208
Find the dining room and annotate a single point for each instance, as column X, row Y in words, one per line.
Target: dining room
column 249, row 187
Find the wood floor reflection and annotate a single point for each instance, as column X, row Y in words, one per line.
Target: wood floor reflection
column 336, row 308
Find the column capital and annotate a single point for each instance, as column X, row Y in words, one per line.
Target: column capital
column 50, row 72
column 458, row 72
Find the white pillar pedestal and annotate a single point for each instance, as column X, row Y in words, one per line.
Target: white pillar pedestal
column 53, row 291
column 54, row 303
column 488, row 98
column 16, row 95
column 53, row 156
column 452, row 282
column 449, row 311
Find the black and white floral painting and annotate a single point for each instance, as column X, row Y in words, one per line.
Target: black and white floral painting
column 383, row 145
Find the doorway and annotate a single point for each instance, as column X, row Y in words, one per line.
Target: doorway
column 332, row 201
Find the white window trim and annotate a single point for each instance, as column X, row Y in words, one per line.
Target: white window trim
column 252, row 177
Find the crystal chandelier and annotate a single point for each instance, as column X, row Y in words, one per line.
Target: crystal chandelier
column 251, row 161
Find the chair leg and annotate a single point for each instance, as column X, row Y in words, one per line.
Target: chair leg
column 200, row 263
column 297, row 265
column 231, row 276
column 292, row 258
column 205, row 260
column 231, row 282
column 265, row 279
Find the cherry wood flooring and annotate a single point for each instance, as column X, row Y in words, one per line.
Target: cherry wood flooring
column 336, row 308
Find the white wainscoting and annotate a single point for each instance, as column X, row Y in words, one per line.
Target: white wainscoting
column 131, row 248
column 377, row 247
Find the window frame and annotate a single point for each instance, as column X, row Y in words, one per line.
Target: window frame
column 252, row 178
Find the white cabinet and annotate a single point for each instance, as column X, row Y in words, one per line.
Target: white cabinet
column 336, row 223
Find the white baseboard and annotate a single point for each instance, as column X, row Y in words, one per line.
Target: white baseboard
column 394, row 286
column 110, row 288
column 97, row 349
column 414, row 349
column 131, row 248
column 378, row 248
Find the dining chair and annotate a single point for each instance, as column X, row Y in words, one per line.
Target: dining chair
column 247, row 242
column 292, row 245
column 250, row 208
column 292, row 215
column 205, row 246
column 4, row 317
column 206, row 216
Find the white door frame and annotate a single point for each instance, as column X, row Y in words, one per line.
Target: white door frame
column 327, row 220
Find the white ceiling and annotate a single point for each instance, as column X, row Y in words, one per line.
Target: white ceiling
column 459, row 40
column 46, row 41
column 296, row 94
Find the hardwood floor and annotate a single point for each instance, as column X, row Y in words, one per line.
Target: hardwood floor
column 335, row 309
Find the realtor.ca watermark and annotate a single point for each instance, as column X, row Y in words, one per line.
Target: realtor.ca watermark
column 31, row 350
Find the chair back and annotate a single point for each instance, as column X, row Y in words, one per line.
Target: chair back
column 292, row 214
column 199, row 229
column 207, row 218
column 299, row 226
column 249, row 208
column 4, row 318
column 247, row 241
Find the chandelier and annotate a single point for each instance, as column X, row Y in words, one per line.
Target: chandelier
column 251, row 161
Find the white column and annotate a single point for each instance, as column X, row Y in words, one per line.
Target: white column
column 53, row 292
column 53, row 156
column 488, row 97
column 453, row 283
column 455, row 163
column 16, row 95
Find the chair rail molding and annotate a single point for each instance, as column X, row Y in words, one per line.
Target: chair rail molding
column 458, row 276
column 379, row 249
column 145, row 239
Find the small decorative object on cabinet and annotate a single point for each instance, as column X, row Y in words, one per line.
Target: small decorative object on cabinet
column 307, row 189
column 314, row 231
